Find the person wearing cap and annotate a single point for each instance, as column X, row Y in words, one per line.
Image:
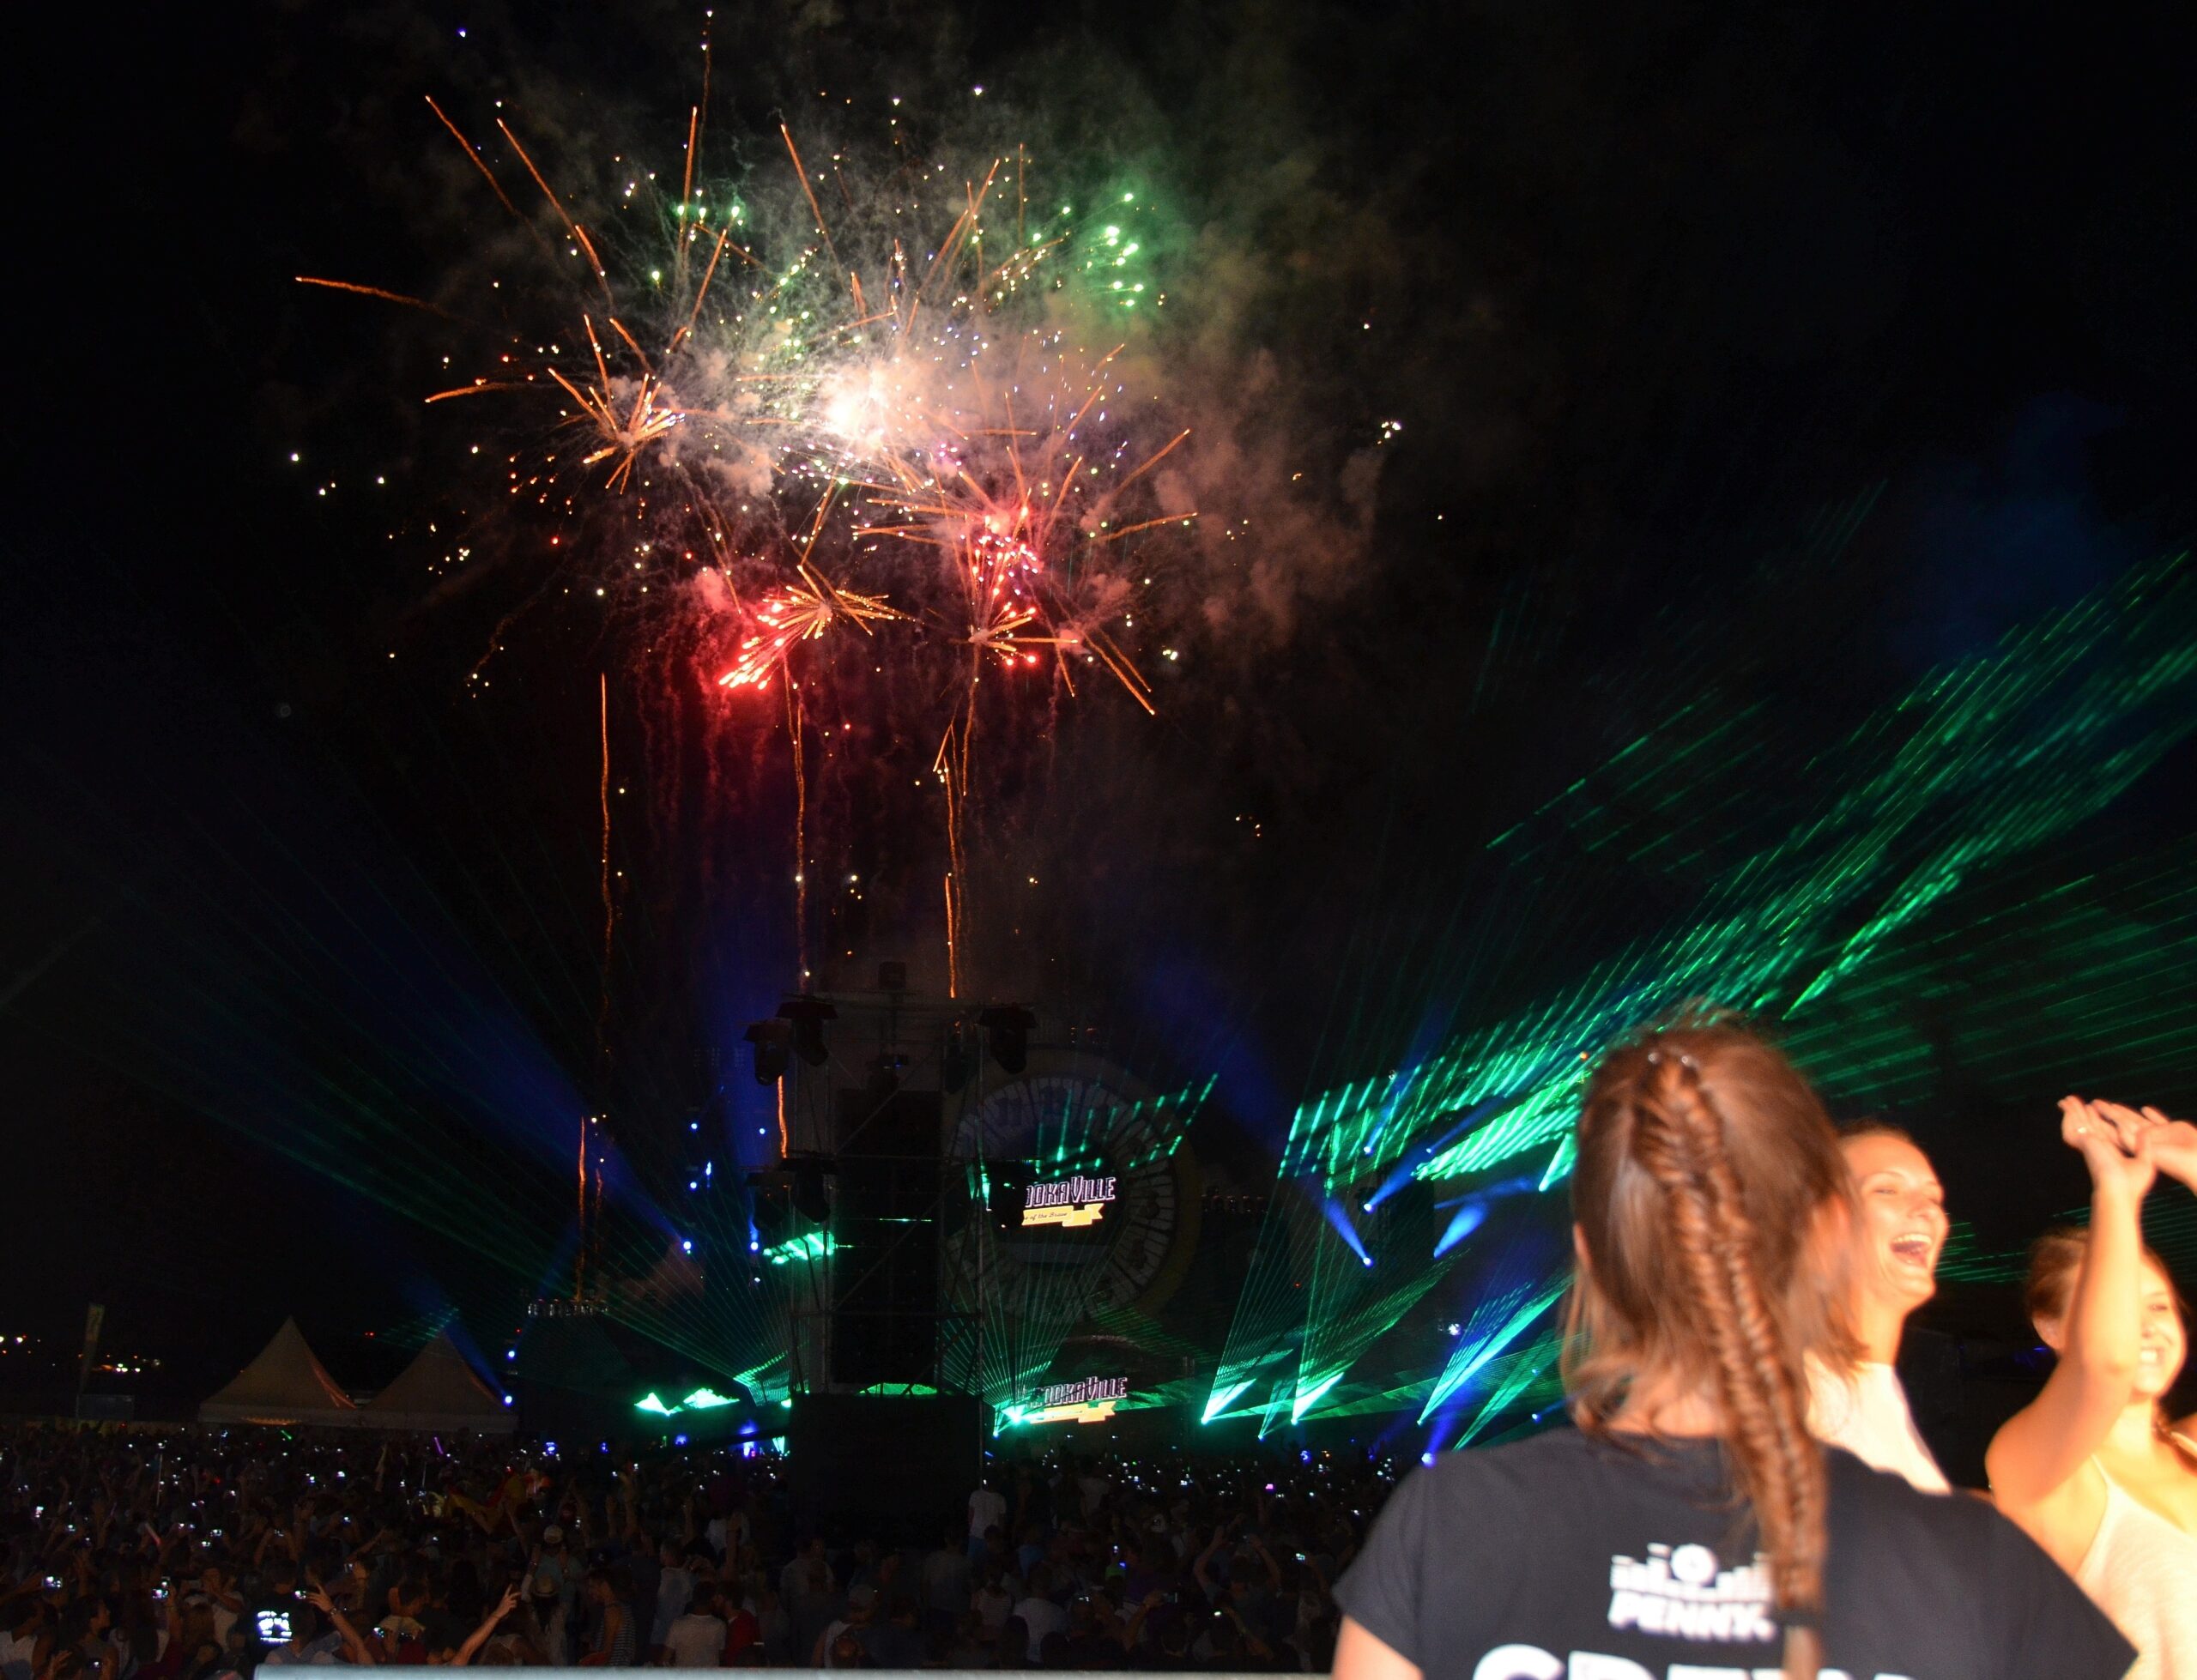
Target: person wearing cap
column 554, row 1564
column 545, row 1598
column 861, row 1610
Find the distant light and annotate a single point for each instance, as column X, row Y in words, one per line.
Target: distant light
column 686, row 1245
column 511, row 1353
column 1427, row 1458
column 678, row 1440
column 508, row 1400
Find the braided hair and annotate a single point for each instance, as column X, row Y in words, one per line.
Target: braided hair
column 1705, row 1165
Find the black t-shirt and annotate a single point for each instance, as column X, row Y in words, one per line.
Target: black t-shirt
column 1563, row 1557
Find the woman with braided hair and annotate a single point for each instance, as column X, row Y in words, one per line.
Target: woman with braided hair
column 1689, row 1528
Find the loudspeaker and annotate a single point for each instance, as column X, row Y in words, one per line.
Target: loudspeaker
column 896, row 1468
column 885, row 1237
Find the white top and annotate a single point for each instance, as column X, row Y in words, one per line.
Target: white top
column 15, row 1654
column 2141, row 1570
column 986, row 1507
column 1867, row 1414
column 1042, row 1617
column 696, row 1641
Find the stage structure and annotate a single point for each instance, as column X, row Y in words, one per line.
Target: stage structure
column 963, row 1191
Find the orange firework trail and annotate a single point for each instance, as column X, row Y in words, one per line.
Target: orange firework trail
column 371, row 292
column 842, row 432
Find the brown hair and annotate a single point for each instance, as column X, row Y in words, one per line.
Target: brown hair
column 1704, row 1163
column 2054, row 1258
column 1875, row 1128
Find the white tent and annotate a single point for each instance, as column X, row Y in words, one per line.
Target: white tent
column 286, row 1384
column 437, row 1391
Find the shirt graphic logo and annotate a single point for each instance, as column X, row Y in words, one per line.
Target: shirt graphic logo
column 1682, row 1593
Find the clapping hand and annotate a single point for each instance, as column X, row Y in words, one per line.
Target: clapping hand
column 2119, row 1155
column 2174, row 1146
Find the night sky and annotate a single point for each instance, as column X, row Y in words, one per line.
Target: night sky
column 1655, row 293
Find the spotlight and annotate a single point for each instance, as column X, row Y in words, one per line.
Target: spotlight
column 1007, row 1035
column 807, row 1015
column 772, row 1041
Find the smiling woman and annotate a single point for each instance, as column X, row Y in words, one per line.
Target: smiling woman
column 2092, row 1468
column 1899, row 1231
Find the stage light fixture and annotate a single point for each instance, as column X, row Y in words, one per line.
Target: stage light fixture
column 1007, row 1035
column 773, row 1042
column 807, row 1015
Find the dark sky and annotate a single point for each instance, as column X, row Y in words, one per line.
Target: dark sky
column 1649, row 287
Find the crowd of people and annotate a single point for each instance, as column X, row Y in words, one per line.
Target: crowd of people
column 1744, row 1277
column 201, row 1554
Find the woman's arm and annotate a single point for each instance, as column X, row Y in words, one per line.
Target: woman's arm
column 1198, row 1567
column 2174, row 1146
column 1360, row 1656
column 354, row 1647
column 2045, row 1443
column 479, row 1636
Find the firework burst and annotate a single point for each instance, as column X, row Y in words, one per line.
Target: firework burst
column 856, row 433
column 800, row 612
